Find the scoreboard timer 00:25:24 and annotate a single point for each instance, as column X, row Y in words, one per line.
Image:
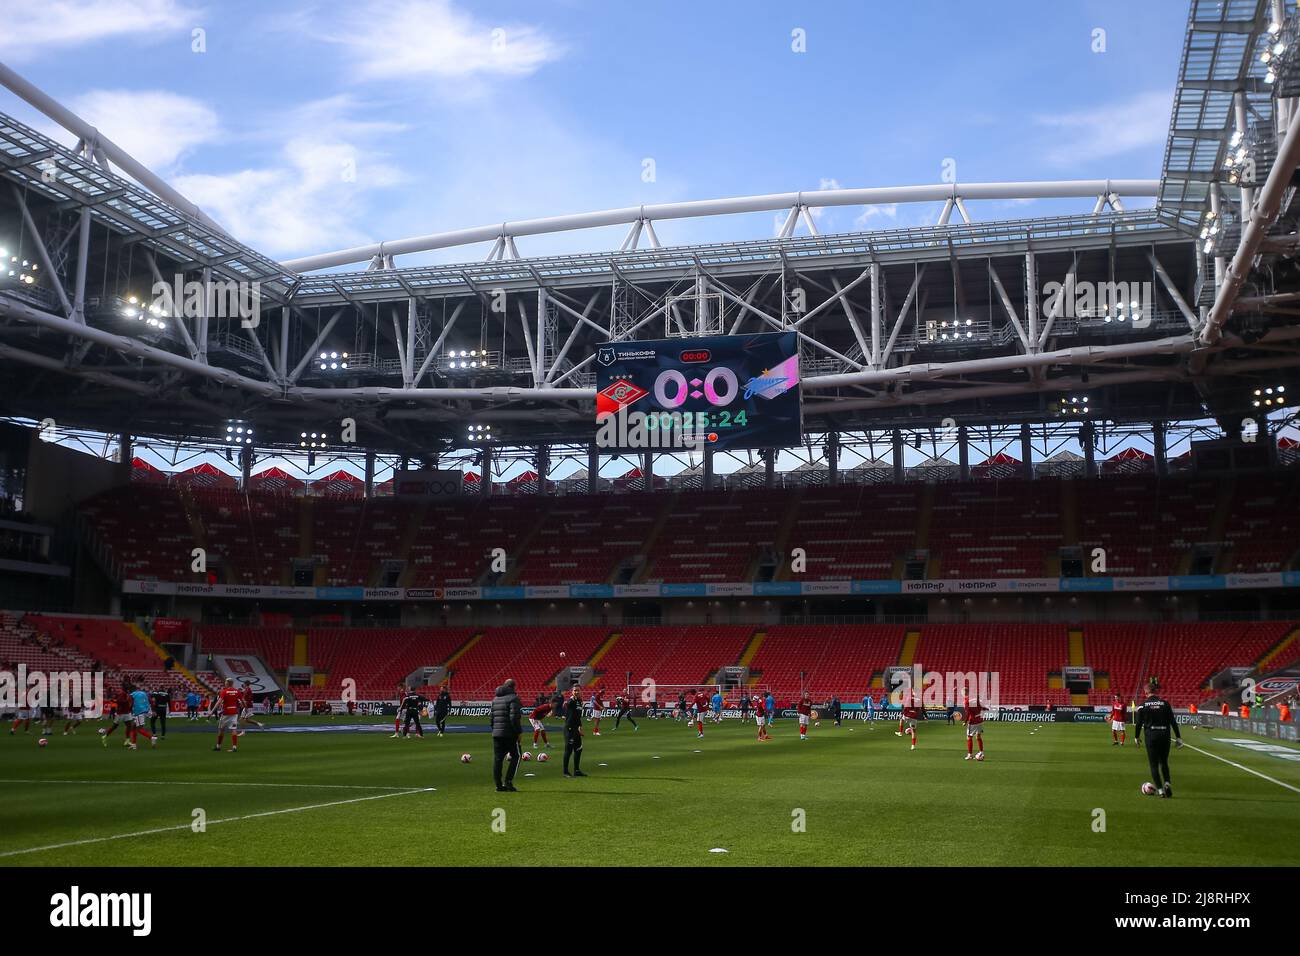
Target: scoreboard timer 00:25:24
column 735, row 391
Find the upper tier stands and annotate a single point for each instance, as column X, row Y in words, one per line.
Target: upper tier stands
column 980, row 529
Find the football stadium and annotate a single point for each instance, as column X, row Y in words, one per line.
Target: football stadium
column 934, row 521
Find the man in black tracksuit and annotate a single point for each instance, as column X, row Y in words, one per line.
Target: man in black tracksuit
column 441, row 708
column 506, row 728
column 410, row 708
column 1156, row 717
column 161, row 702
column 573, row 734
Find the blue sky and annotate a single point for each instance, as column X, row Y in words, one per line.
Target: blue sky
column 305, row 127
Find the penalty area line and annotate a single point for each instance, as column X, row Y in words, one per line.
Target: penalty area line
column 187, row 826
column 1233, row 763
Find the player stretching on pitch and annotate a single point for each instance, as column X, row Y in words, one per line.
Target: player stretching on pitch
column 911, row 714
column 1156, row 717
column 974, row 727
column 624, row 705
column 804, row 710
column 536, row 717
column 1116, row 722
column 229, row 704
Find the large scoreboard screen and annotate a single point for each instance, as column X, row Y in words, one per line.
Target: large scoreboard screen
column 722, row 392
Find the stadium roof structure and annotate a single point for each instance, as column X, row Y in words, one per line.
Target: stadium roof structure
column 898, row 328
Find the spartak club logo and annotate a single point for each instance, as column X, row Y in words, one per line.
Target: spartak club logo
column 618, row 394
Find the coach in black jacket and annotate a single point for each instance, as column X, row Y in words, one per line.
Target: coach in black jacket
column 506, row 716
column 573, row 735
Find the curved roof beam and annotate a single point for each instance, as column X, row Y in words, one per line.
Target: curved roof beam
column 101, row 144
column 817, row 198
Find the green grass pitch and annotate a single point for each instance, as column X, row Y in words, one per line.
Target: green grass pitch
column 656, row 797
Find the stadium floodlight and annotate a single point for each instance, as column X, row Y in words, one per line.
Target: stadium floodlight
column 333, row 361
column 239, row 432
column 312, row 440
column 479, row 433
column 1075, row 405
column 21, row 271
column 1273, row 397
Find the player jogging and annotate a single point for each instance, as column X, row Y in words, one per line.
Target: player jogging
column 246, row 715
column 441, row 708
column 701, row 705
column 410, row 708
column 804, row 710
column 228, row 705
column 141, row 708
column 1156, row 717
column 535, row 718
column 397, row 719
column 974, row 727
column 597, row 711
column 911, row 714
column 1116, row 722
column 624, row 705
column 118, row 713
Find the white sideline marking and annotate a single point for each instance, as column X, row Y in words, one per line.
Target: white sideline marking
column 210, row 783
column 1233, row 763
column 186, row 826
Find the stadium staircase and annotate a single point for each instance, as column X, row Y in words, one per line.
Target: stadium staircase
column 1078, row 658
column 515, row 559
column 162, row 656
column 1218, row 524
column 193, row 518
column 781, row 542
column 924, row 518
column 409, row 534
column 669, row 505
column 1281, row 652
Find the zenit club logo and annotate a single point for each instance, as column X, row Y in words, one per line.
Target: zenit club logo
column 616, row 395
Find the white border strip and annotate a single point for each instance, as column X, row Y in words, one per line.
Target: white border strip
column 186, row 826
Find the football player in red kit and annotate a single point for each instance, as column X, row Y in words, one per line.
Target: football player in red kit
column 246, row 708
column 804, row 710
column 119, row 713
column 911, row 714
column 228, row 705
column 535, row 718
column 974, row 728
column 760, row 716
column 1116, row 722
column 701, row 708
column 597, row 710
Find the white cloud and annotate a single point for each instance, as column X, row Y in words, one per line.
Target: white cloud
column 33, row 26
column 312, row 193
column 156, row 127
column 408, row 38
column 869, row 213
column 1140, row 122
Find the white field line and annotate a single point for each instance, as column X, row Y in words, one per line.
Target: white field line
column 187, row 826
column 1233, row 763
column 206, row 783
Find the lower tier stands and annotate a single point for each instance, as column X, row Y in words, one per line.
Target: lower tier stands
column 827, row 659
